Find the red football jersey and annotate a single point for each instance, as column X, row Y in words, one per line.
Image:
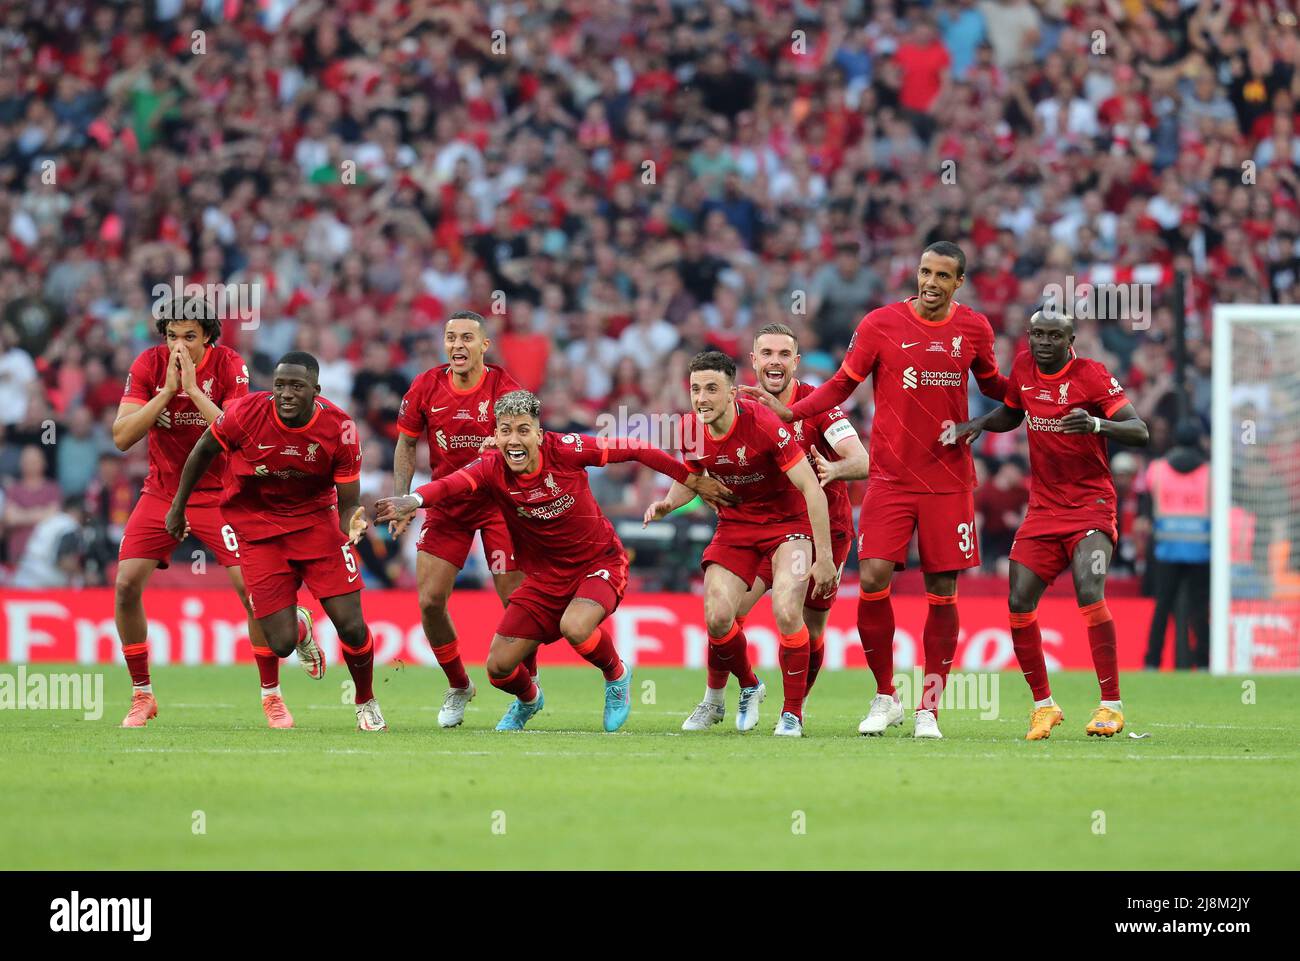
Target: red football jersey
column 1069, row 473
column 555, row 524
column 823, row 431
column 455, row 422
column 222, row 376
column 281, row 479
column 918, row 371
column 751, row 459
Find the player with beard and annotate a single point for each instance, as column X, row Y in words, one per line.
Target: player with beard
column 173, row 392
column 837, row 454
column 574, row 564
column 1070, row 405
column 917, row 353
column 451, row 405
column 781, row 521
column 292, row 495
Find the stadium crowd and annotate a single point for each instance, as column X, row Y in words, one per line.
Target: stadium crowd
column 615, row 185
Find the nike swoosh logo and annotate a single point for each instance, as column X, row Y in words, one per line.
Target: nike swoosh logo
column 913, row 344
column 265, row 446
column 517, row 492
column 353, row 578
column 970, row 555
column 949, row 661
column 792, row 673
column 1026, row 386
column 435, row 410
column 1103, row 680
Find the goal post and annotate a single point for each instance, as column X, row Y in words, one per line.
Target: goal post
column 1255, row 465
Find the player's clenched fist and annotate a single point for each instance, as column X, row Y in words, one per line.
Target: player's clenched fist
column 177, row 526
column 396, row 508
column 1079, row 421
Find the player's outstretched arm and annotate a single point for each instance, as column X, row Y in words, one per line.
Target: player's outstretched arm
column 389, row 509
column 1124, row 425
column 825, row 576
column 830, row 394
column 710, row 490
column 997, row 421
column 196, row 465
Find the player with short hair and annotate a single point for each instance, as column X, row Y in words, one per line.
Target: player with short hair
column 1070, row 405
column 917, row 353
column 781, row 521
column 451, row 405
column 173, row 392
column 292, row 494
column 837, row 454
column 574, row 564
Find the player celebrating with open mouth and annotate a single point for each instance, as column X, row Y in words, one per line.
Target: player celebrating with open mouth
column 1071, row 405
column 452, row 406
column 917, row 353
column 781, row 520
column 292, row 494
column 574, row 564
column 835, row 451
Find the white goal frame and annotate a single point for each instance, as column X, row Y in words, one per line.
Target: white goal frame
column 1222, row 432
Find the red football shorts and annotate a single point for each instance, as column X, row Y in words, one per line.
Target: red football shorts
column 841, row 540
column 318, row 556
column 146, row 532
column 538, row 604
column 448, row 533
column 743, row 548
column 944, row 525
column 1046, row 545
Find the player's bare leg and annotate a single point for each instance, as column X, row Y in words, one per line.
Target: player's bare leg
column 1026, row 590
column 728, row 653
column 1089, row 565
column 581, row 625
column 940, row 641
column 357, row 645
column 506, row 671
column 815, row 619
column 268, row 664
column 791, row 566
column 505, row 584
column 876, row 633
column 133, row 630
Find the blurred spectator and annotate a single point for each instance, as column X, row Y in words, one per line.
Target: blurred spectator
column 1000, row 506
column 52, row 555
column 30, row 499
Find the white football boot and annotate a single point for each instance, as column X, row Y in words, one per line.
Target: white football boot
column 452, row 712
column 886, row 711
column 369, row 718
column 747, row 712
column 310, row 656
column 788, row 726
column 927, row 725
column 704, row 717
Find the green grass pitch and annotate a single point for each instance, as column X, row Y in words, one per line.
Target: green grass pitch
column 1212, row 787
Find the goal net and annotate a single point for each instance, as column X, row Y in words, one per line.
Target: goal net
column 1255, row 586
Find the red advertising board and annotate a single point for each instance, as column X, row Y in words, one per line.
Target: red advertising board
column 208, row 627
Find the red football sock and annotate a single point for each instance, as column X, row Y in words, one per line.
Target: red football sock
column 794, row 670
column 268, row 666
column 1027, row 640
column 940, row 639
column 1101, row 638
column 530, row 664
column 137, row 662
column 876, row 631
column 448, row 656
column 732, row 652
column 816, row 652
column 519, row 683
column 361, row 665
column 719, row 669
column 599, row 651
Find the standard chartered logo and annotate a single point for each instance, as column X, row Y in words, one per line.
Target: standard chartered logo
column 909, row 378
column 912, row 379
